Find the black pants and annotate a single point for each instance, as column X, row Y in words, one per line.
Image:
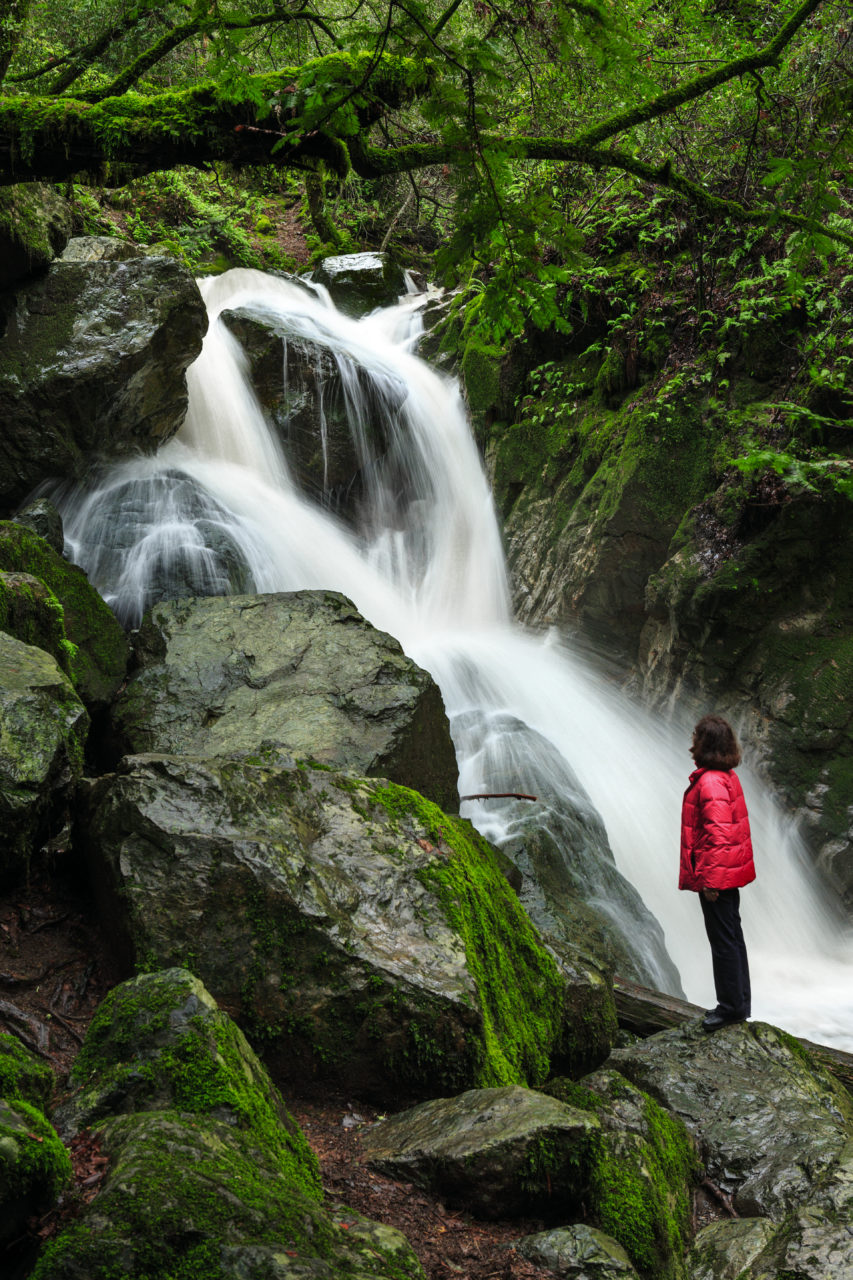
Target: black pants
column 728, row 952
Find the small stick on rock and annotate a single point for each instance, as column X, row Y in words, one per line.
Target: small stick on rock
column 499, row 795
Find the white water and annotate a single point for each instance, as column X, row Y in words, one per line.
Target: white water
column 426, row 564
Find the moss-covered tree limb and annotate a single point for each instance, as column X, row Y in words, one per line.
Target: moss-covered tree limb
column 665, row 103
column 312, row 117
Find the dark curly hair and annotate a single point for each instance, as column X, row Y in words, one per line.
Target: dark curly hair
column 714, row 744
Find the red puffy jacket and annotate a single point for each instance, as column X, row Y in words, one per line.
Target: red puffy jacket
column 716, row 847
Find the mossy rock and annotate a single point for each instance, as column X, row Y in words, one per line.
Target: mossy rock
column 360, row 934
column 31, row 612
column 35, row 223
column 208, row 1174
column 93, row 649
column 23, row 1076
column 34, row 1166
column 188, row 1196
column 643, row 1163
column 159, row 1042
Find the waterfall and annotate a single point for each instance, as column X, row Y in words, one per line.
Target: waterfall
column 218, row 509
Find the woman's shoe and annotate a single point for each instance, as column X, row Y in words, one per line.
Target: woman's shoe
column 716, row 1019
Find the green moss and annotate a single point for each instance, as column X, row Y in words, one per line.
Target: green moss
column 31, row 612
column 205, row 1069
column 33, row 1161
column 22, row 1075
column 519, row 986
column 639, row 1190
column 178, row 1196
column 481, row 366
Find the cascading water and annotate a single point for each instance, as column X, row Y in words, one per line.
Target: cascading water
column 217, row 510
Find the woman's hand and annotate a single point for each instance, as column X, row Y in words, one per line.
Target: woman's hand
column 710, row 895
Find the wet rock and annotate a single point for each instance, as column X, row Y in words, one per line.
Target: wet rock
column 73, row 622
column 92, row 363
column 641, row 1166
column 578, row 1252
column 366, row 936
column 297, row 674
column 724, row 1250
column 100, row 249
column 188, row 547
column 208, row 1174
column 774, row 1126
column 43, row 726
column 361, row 282
column 35, row 223
column 304, row 388
column 495, row 1151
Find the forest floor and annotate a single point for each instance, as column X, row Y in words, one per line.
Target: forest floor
column 57, row 964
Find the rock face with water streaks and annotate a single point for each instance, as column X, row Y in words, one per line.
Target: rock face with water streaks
column 208, row 1173
column 43, row 726
column 299, row 674
column 92, row 364
column 367, row 936
column 299, row 389
column 560, row 847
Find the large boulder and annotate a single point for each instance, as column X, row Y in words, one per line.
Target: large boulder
column 641, row 1165
column 43, row 727
column 498, row 1152
column 361, row 933
column 777, row 1130
column 92, row 363
column 297, row 674
column 65, row 615
column 607, row 1152
column 208, row 1175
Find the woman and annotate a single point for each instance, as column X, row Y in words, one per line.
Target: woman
column 716, row 862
